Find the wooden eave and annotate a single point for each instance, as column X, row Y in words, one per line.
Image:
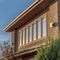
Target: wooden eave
column 28, row 14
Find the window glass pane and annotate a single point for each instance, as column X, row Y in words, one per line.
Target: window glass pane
column 26, row 35
column 30, row 33
column 23, row 36
column 20, row 38
column 34, row 31
column 39, row 29
column 44, row 27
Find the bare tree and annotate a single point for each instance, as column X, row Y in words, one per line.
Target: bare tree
column 6, row 50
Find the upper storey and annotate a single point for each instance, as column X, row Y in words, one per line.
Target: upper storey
column 37, row 7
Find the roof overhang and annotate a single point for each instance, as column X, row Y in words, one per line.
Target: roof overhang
column 37, row 7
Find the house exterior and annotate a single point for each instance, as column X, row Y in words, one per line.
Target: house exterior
column 33, row 27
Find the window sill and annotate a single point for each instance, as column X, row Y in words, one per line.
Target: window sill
column 33, row 44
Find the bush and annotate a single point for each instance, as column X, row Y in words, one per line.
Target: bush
column 49, row 52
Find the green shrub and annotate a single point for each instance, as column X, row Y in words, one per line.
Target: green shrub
column 49, row 52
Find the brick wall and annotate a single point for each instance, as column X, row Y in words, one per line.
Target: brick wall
column 52, row 16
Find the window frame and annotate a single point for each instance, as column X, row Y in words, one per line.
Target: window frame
column 31, row 24
column 40, row 29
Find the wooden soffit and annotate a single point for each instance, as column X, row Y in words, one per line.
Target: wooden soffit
column 28, row 14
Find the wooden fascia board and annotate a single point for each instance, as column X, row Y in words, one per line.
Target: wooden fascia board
column 21, row 17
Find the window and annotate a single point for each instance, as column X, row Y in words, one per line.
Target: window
column 44, row 27
column 20, row 38
column 39, row 29
column 23, row 36
column 26, row 35
column 30, row 33
column 34, row 31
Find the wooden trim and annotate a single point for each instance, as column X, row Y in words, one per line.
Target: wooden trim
column 37, row 8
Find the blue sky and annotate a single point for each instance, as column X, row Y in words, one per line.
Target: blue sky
column 10, row 9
